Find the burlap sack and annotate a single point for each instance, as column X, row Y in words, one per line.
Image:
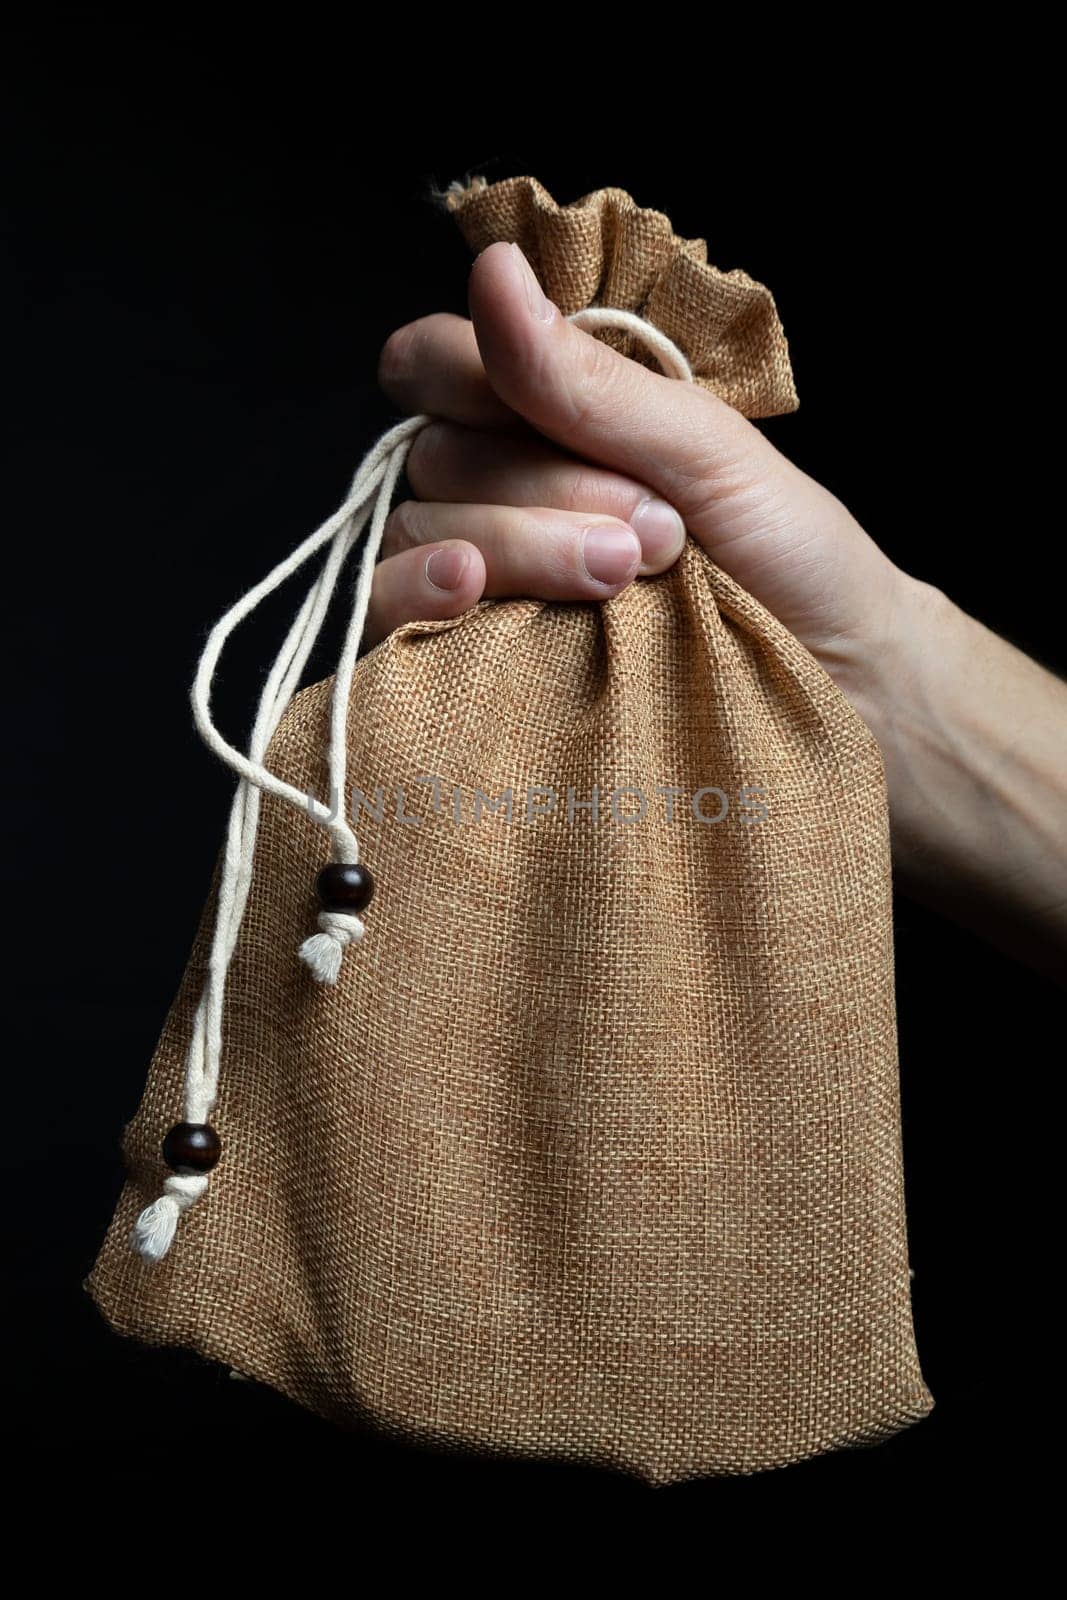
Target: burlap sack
column 594, row 1151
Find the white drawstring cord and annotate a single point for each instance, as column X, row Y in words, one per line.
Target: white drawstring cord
column 671, row 359
column 375, row 482
column 155, row 1227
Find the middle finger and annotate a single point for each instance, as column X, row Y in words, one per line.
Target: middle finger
column 448, row 462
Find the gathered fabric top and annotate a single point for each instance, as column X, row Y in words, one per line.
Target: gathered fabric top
column 606, row 250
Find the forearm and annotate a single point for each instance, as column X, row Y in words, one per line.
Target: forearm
column 974, row 737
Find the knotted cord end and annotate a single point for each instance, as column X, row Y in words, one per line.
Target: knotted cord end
column 323, row 952
column 344, row 888
column 153, row 1232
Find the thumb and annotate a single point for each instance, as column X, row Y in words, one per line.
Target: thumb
column 680, row 439
column 784, row 537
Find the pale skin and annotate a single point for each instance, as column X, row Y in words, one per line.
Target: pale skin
column 557, row 469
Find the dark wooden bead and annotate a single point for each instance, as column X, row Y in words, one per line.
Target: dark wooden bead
column 192, row 1147
column 344, row 888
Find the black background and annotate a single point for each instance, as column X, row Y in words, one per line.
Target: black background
column 204, row 256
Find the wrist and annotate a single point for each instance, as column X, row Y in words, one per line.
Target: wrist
column 894, row 682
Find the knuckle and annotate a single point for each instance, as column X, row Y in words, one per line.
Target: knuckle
column 404, row 527
column 398, row 359
column 580, row 488
column 423, row 466
column 527, row 531
column 551, row 554
column 588, row 488
column 723, row 485
column 595, row 382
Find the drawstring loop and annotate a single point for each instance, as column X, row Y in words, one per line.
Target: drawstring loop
column 373, row 486
column 344, row 887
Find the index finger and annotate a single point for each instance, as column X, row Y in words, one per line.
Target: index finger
column 433, row 365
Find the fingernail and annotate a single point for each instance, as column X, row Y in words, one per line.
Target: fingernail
column 445, row 568
column 610, row 554
column 540, row 308
column 660, row 530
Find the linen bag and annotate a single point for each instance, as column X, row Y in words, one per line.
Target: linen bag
column 587, row 1147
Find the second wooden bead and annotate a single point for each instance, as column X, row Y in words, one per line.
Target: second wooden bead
column 343, row 887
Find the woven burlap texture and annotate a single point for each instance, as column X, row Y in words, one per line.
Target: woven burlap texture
column 606, row 250
column 594, row 1152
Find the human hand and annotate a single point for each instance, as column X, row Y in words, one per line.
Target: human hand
column 552, row 471
column 561, row 470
